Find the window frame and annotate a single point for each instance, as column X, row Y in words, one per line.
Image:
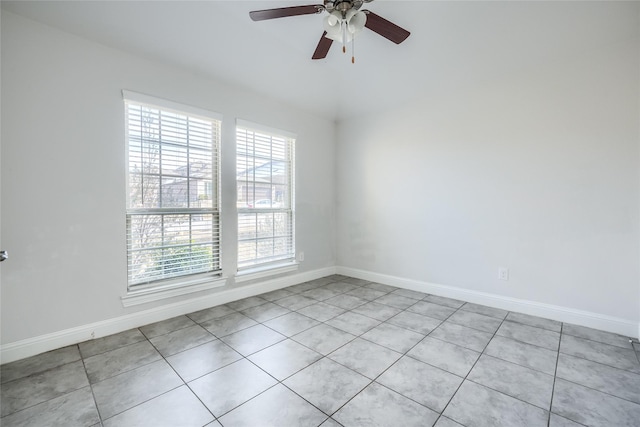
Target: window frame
column 165, row 287
column 289, row 263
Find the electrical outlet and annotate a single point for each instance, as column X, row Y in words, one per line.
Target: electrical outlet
column 300, row 256
column 503, row 273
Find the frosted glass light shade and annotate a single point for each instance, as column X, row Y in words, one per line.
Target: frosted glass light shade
column 333, row 22
column 355, row 21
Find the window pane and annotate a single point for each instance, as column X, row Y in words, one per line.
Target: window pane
column 281, row 246
column 200, row 162
column 281, row 196
column 144, row 232
column 176, row 230
column 203, row 228
column 265, row 225
column 282, row 224
column 171, row 245
column 246, row 253
column 174, row 160
column 175, row 193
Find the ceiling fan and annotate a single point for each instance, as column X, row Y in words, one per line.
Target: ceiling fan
column 343, row 22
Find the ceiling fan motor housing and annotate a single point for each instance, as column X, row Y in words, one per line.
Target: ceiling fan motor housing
column 343, row 5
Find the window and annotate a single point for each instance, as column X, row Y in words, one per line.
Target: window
column 264, row 167
column 173, row 216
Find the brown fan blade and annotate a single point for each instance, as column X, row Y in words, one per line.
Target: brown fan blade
column 385, row 28
column 283, row 12
column 323, row 47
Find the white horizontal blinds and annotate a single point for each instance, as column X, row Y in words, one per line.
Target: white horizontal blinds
column 173, row 217
column 265, row 197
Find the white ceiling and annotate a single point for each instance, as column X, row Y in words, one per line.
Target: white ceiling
column 452, row 44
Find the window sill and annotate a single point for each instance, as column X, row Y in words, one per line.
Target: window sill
column 261, row 272
column 182, row 287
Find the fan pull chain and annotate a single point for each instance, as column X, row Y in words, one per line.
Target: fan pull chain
column 344, row 37
column 353, row 50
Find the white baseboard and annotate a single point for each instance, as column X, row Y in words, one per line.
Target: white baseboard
column 40, row 344
column 602, row 322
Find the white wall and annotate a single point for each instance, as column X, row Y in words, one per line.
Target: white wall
column 63, row 174
column 536, row 172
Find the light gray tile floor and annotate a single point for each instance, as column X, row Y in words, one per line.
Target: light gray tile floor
column 228, row 324
column 166, row 326
column 284, row 359
column 433, row 310
column 530, row 335
column 178, row 407
column 426, row 384
column 461, row 335
column 253, row 339
column 353, row 323
column 291, row 324
column 112, row 342
column 377, row 311
column 346, row 302
column 264, row 312
column 380, row 406
column 321, row 311
column 333, row 352
column 487, row 311
column 210, row 313
column 181, row 340
column 266, row 410
column 326, row 384
column 415, row 322
column 365, row 357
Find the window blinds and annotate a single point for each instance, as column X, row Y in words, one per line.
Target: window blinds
column 173, row 213
column 265, row 188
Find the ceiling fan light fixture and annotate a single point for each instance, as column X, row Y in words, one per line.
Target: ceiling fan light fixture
column 345, row 20
column 355, row 21
column 334, row 19
column 333, row 26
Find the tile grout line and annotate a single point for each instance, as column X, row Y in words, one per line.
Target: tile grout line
column 243, row 357
column 184, row 383
column 470, row 369
column 482, row 353
column 93, row 395
column 55, row 397
column 102, row 420
column 600, row 363
column 579, row 384
column 598, row 342
column 394, row 363
column 330, row 416
column 281, row 382
column 599, row 391
column 278, row 382
column 555, row 376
